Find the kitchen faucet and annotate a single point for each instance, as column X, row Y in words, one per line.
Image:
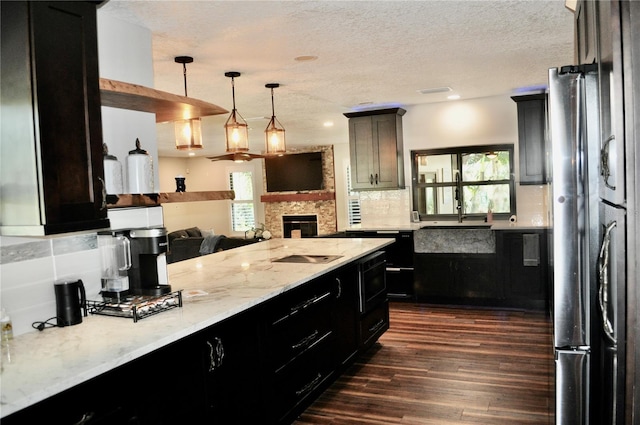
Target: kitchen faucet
column 458, row 200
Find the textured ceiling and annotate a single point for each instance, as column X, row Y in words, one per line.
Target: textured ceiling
column 370, row 54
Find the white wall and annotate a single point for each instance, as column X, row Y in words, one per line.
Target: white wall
column 125, row 55
column 458, row 123
column 204, row 175
column 30, row 266
column 483, row 121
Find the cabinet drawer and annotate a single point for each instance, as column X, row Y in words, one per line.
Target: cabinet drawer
column 301, row 378
column 374, row 324
column 299, row 321
column 296, row 337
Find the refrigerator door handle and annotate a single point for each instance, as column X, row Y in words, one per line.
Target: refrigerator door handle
column 570, row 306
column 605, row 172
column 603, row 290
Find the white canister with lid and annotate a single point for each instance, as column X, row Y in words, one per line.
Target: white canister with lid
column 112, row 172
column 139, row 171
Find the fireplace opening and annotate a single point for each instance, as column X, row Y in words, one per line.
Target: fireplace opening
column 307, row 225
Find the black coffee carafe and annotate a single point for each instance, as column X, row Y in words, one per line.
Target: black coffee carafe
column 71, row 302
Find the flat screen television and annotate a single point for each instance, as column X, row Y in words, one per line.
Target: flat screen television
column 294, row 172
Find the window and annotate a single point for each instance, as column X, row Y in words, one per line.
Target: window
column 353, row 202
column 243, row 215
column 463, row 182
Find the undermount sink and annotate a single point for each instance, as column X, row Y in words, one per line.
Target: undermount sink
column 314, row 259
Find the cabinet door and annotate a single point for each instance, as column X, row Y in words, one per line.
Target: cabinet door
column 385, row 151
column 434, row 276
column 231, row 368
column 531, row 138
column 375, row 142
column 69, row 120
column 54, row 180
column 345, row 315
column 361, row 151
column 524, row 268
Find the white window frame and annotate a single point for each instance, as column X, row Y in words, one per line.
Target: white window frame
column 242, row 168
column 354, row 208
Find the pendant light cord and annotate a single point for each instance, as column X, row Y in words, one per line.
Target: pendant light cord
column 233, row 92
column 184, row 73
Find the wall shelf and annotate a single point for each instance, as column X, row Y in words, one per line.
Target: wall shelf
column 298, row 197
column 166, row 106
column 154, row 199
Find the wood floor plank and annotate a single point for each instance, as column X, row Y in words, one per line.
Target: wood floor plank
column 447, row 366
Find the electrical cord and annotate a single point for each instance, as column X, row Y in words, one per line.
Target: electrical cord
column 46, row 324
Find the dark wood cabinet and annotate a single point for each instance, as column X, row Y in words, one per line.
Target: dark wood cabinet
column 344, row 315
column 52, row 169
column 262, row 366
column 310, row 334
column 230, row 371
column 523, row 267
column 376, row 149
column 456, row 277
column 515, row 276
column 532, row 125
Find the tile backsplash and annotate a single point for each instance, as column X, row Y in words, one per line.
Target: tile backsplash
column 390, row 207
column 30, row 266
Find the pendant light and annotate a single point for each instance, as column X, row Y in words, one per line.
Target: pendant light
column 274, row 133
column 236, row 128
column 188, row 132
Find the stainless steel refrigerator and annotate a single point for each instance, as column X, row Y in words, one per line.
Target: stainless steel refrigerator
column 587, row 262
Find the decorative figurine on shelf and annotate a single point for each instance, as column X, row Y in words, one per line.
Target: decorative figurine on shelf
column 258, row 232
column 180, row 184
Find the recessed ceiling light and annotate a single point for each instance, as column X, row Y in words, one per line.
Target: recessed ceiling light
column 453, row 97
column 305, row 58
column 328, row 124
column 192, row 154
column 435, row 90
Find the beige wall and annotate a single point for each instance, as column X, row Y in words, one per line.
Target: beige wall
column 203, row 175
column 460, row 123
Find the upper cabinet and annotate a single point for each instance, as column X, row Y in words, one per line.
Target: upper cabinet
column 51, row 146
column 532, row 124
column 375, row 142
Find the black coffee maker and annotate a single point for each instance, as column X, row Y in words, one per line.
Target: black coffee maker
column 148, row 272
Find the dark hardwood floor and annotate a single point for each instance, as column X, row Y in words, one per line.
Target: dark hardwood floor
column 447, row 366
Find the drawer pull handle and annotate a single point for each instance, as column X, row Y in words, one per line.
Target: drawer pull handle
column 308, row 303
column 85, row 418
column 310, row 386
column 307, row 340
column 339, row 294
column 216, row 354
column 377, row 326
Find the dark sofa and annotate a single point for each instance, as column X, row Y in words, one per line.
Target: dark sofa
column 192, row 242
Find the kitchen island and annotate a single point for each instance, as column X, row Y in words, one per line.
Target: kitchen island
column 216, row 288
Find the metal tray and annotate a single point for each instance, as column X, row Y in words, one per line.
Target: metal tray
column 136, row 307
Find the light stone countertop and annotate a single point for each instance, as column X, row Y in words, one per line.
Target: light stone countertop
column 38, row 365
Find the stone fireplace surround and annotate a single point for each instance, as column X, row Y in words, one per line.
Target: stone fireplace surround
column 321, row 203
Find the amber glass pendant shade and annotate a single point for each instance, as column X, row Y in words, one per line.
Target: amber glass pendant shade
column 236, row 128
column 274, row 133
column 188, row 134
